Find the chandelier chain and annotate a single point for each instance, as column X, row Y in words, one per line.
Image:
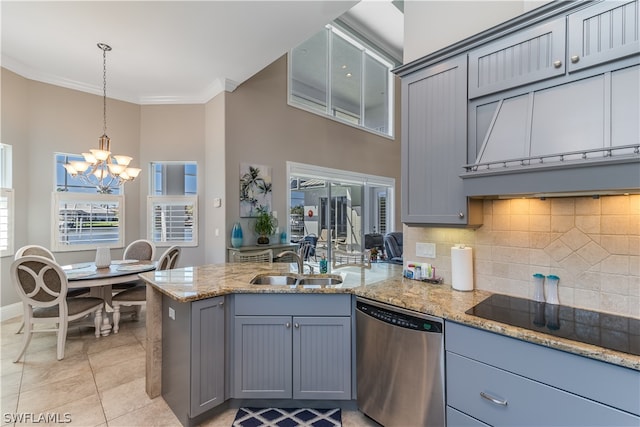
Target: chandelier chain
column 104, row 90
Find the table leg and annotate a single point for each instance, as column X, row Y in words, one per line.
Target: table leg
column 105, row 329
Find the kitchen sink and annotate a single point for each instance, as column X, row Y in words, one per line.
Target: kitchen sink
column 320, row 280
column 314, row 280
column 275, row 279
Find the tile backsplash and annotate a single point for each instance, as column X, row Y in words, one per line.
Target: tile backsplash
column 592, row 244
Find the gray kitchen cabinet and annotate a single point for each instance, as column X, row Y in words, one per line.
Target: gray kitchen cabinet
column 603, row 32
column 500, row 380
column 322, row 357
column 434, row 132
column 292, row 346
column 525, row 57
column 263, row 350
column 193, row 354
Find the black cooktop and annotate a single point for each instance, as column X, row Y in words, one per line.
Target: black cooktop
column 591, row 327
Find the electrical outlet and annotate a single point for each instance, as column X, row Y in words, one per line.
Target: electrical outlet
column 172, row 313
column 426, row 250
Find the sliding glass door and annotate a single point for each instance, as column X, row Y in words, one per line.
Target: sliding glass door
column 338, row 208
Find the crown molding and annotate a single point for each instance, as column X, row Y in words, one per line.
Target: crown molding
column 216, row 87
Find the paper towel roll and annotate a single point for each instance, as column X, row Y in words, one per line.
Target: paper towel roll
column 461, row 268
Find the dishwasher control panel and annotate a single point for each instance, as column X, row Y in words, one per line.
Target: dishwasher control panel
column 401, row 320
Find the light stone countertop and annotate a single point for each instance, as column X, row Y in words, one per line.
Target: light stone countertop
column 383, row 283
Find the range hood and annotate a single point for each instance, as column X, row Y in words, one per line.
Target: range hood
column 559, row 178
column 579, row 138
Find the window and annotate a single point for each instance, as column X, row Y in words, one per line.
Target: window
column 6, row 202
column 172, row 206
column 87, row 221
column 83, row 219
column 335, row 74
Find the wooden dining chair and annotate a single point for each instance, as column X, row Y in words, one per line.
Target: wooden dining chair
column 137, row 296
column 141, row 250
column 44, row 252
column 42, row 286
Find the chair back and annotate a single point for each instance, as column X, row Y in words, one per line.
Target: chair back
column 342, row 258
column 307, row 246
column 254, row 256
column 393, row 245
column 142, row 250
column 169, row 259
column 40, row 282
column 34, row 250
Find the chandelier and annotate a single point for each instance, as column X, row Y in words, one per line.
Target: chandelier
column 100, row 168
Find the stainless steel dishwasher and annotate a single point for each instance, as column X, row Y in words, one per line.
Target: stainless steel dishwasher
column 399, row 365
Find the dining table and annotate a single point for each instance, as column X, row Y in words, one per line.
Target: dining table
column 100, row 280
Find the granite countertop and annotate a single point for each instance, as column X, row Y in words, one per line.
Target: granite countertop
column 383, row 283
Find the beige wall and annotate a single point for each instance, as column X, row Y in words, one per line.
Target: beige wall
column 593, row 245
column 173, row 133
column 216, row 233
column 262, row 129
column 433, row 25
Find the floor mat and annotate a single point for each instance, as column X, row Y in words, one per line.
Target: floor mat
column 277, row 417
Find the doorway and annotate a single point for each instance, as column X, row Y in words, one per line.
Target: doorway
column 339, row 208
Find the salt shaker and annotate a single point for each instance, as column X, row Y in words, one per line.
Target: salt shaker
column 538, row 291
column 552, row 289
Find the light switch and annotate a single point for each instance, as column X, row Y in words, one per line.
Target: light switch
column 172, row 313
column 426, row 250
column 217, row 202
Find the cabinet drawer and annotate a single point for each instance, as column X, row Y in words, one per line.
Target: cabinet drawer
column 456, row 418
column 501, row 398
column 603, row 382
column 292, row 305
column 524, row 57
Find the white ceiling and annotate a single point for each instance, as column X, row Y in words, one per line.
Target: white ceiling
column 165, row 51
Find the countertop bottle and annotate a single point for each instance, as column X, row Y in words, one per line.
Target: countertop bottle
column 323, row 265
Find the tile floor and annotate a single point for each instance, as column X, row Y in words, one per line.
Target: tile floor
column 100, row 382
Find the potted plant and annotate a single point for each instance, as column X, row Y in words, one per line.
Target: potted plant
column 265, row 226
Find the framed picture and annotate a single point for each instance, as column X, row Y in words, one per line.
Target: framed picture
column 255, row 189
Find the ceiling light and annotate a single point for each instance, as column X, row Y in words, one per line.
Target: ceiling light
column 349, row 74
column 100, row 168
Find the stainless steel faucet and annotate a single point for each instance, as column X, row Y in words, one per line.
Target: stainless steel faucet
column 296, row 256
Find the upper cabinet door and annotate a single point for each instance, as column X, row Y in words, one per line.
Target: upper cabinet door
column 525, row 57
column 434, row 137
column 603, row 32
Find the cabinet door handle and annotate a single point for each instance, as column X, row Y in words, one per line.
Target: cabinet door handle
column 287, row 325
column 295, row 325
column 557, row 64
column 221, row 304
column 461, row 214
column 575, row 59
column 493, row 399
